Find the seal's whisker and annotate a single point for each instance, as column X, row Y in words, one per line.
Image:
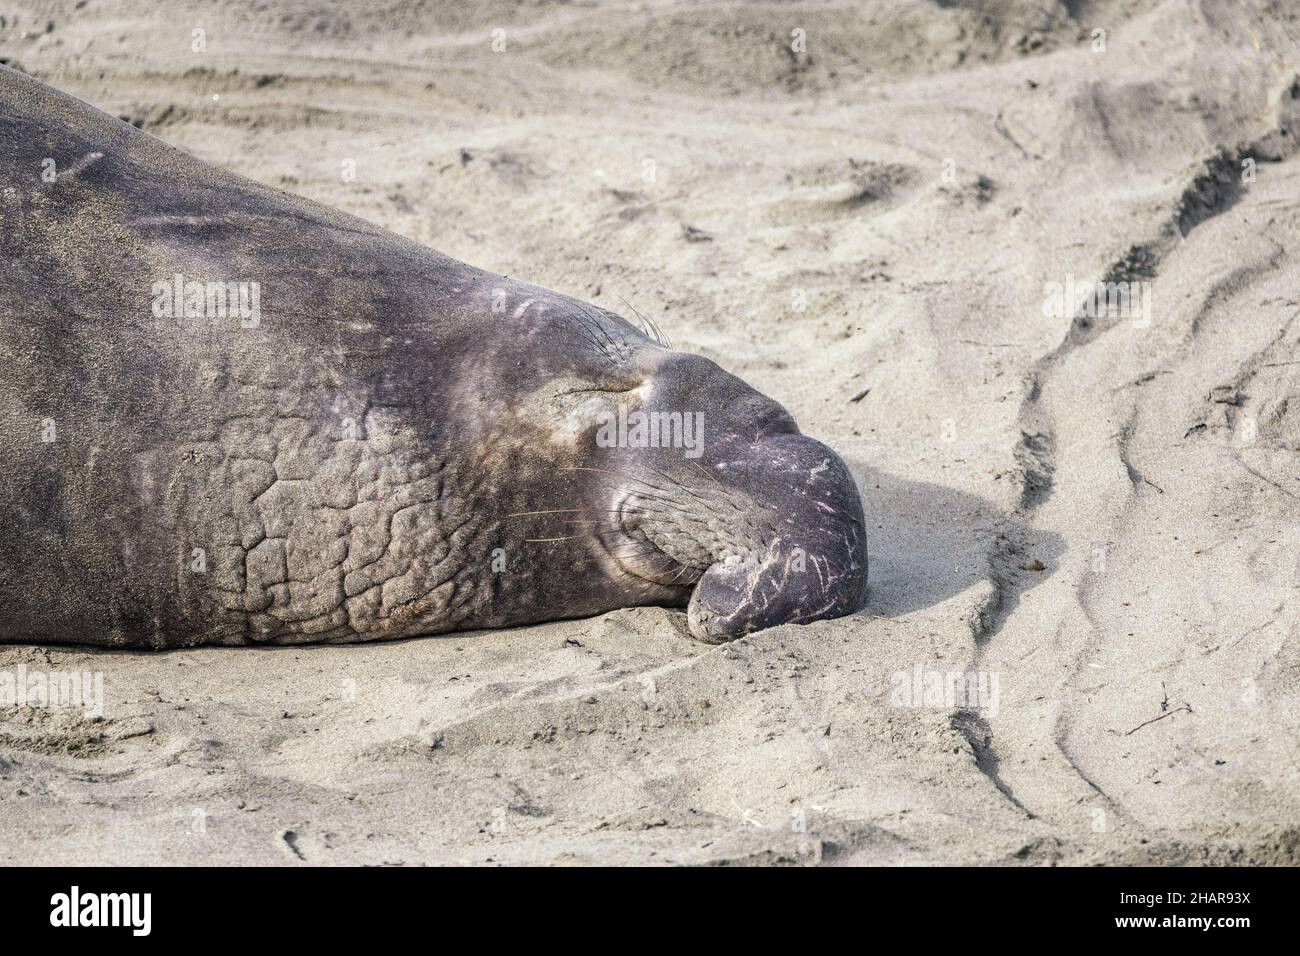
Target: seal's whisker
column 594, row 325
column 585, row 331
column 704, row 471
column 643, row 495
column 603, row 330
column 621, row 474
column 641, row 319
column 593, row 318
column 586, row 336
column 582, row 325
column 639, row 552
column 652, row 553
column 683, row 568
column 689, row 490
column 575, row 511
column 653, row 332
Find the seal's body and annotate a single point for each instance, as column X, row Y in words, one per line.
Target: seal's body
column 229, row 415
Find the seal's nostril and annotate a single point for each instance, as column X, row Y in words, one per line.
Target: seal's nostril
column 772, row 420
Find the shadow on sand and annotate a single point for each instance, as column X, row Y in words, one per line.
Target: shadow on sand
column 928, row 543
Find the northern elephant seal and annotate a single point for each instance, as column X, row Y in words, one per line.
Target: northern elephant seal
column 229, row 415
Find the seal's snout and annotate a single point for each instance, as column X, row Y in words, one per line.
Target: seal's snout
column 813, row 567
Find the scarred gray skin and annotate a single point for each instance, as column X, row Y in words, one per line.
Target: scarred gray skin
column 404, row 445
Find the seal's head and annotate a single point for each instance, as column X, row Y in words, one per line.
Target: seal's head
column 764, row 524
column 702, row 491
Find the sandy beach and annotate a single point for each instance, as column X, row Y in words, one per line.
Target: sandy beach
column 1081, row 640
